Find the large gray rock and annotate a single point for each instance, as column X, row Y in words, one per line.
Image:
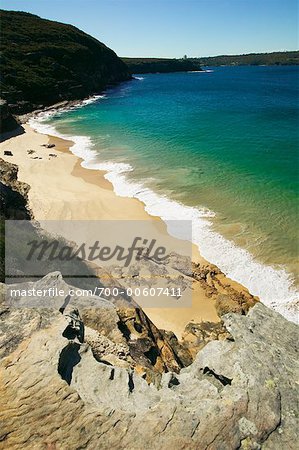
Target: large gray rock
column 57, row 392
column 115, row 332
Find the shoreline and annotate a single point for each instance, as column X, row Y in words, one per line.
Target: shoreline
column 273, row 285
column 59, row 183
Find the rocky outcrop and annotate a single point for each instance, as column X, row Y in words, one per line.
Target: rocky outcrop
column 230, row 296
column 114, row 334
column 13, row 193
column 7, row 121
column 13, row 202
column 239, row 392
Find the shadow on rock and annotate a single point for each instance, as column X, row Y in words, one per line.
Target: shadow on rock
column 68, row 359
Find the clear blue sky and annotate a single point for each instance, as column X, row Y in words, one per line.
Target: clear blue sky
column 172, row 28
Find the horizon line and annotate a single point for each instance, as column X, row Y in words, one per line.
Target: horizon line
column 211, row 56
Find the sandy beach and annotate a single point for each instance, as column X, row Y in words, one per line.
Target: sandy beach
column 63, row 190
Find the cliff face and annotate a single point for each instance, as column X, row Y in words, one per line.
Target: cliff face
column 77, row 389
column 44, row 62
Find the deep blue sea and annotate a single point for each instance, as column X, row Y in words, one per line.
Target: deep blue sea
column 219, row 147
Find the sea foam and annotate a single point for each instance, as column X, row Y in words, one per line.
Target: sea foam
column 274, row 286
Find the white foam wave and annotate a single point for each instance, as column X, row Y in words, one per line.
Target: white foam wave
column 273, row 286
column 83, row 145
column 50, row 112
column 200, row 71
column 92, row 99
column 138, row 78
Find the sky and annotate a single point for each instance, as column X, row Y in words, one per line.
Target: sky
column 173, row 28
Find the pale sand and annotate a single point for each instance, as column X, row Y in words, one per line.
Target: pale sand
column 62, row 190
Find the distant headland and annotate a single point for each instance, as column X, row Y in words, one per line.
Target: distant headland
column 155, row 65
column 287, row 58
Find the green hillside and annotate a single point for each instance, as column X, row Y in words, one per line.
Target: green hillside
column 44, row 62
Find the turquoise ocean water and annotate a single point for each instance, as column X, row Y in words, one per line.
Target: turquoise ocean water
column 219, row 147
